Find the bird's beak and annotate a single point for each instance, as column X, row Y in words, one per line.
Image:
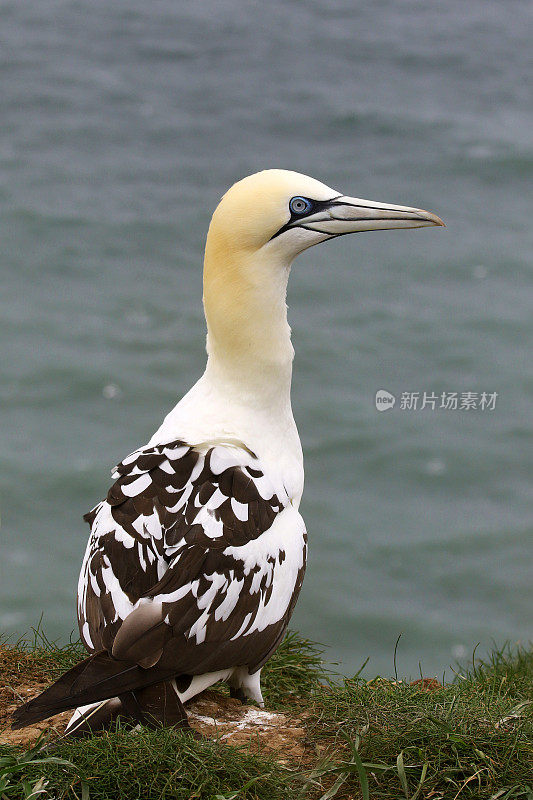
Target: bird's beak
column 343, row 215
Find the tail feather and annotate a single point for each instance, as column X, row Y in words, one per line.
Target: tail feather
column 98, row 677
column 152, row 707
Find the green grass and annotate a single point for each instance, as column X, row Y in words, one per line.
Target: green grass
column 295, row 671
column 45, row 658
column 150, row 765
column 376, row 740
column 470, row 739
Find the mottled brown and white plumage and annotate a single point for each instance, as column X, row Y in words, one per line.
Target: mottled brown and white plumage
column 196, row 557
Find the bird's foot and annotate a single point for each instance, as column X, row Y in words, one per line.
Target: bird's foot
column 238, row 694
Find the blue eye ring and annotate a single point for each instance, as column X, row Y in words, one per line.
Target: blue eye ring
column 300, row 205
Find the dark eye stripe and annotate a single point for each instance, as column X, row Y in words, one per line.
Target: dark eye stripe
column 314, row 207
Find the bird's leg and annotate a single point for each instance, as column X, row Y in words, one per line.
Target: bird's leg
column 252, row 687
column 245, row 686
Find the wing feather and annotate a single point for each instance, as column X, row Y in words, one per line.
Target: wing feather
column 187, row 564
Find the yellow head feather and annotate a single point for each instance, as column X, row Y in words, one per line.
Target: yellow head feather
column 244, row 281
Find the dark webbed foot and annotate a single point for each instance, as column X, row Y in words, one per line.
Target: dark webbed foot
column 238, row 694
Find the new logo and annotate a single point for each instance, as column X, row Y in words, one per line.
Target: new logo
column 384, row 400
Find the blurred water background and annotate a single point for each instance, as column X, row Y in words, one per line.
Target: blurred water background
column 122, row 124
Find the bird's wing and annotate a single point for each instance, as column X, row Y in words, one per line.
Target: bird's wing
column 195, row 560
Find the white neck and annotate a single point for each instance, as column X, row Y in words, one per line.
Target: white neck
column 248, row 337
column 244, row 394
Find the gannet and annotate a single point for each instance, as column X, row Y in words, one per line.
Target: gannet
column 197, row 555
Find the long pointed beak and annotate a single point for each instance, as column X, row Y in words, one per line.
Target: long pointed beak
column 351, row 214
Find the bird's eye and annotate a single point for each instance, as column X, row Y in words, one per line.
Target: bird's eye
column 300, row 205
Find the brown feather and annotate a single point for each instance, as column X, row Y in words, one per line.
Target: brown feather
column 97, row 678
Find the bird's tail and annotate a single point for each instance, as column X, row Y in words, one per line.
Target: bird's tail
column 98, row 677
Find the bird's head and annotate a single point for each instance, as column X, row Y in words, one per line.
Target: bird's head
column 283, row 213
column 261, row 224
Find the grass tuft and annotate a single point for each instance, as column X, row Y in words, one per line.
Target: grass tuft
column 295, row 671
column 152, row 765
column 36, row 654
column 470, row 739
